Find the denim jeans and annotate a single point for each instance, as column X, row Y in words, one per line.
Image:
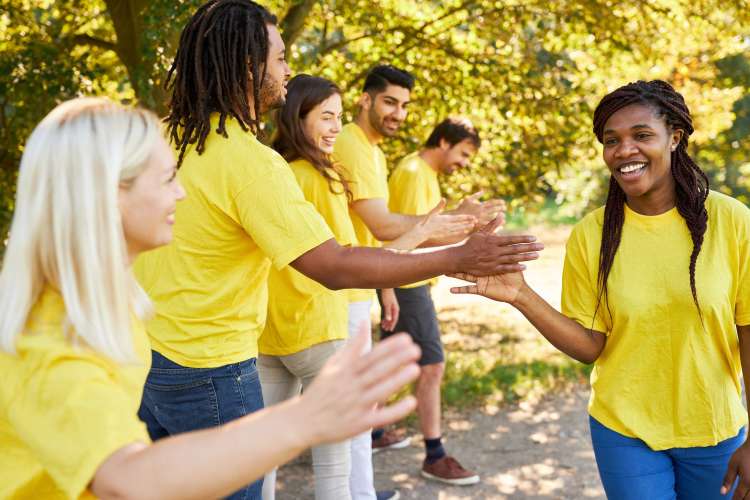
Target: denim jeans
column 630, row 470
column 179, row 399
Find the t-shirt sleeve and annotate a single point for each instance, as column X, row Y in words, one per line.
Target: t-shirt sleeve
column 73, row 414
column 331, row 205
column 408, row 194
column 276, row 215
column 360, row 169
column 742, row 302
column 579, row 291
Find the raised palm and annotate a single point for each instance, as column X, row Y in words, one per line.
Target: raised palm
column 500, row 287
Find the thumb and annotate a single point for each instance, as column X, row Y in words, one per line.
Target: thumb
column 435, row 211
column 494, row 224
column 729, row 477
column 476, row 196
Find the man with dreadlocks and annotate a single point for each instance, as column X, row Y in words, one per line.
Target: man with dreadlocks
column 656, row 293
column 245, row 211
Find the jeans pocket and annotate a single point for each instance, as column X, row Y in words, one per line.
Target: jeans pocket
column 184, row 407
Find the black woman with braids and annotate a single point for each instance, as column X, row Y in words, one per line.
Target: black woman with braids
column 245, row 211
column 656, row 293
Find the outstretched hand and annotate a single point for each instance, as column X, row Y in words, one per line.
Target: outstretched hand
column 438, row 226
column 484, row 211
column 485, row 253
column 341, row 401
column 500, row 287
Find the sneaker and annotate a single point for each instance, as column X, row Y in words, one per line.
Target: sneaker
column 448, row 470
column 390, row 440
column 387, row 495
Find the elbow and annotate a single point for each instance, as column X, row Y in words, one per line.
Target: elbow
column 587, row 358
column 333, row 282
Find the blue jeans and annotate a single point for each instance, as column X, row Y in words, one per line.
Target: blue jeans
column 630, row 470
column 178, row 399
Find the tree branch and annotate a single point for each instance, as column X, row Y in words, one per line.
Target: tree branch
column 83, row 39
column 293, row 22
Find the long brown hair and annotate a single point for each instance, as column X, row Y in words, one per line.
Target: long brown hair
column 691, row 183
column 304, row 93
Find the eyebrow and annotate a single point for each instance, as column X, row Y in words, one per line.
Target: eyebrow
column 407, row 101
column 634, row 127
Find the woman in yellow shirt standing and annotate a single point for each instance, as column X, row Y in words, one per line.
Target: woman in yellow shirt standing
column 656, row 293
column 307, row 322
column 97, row 186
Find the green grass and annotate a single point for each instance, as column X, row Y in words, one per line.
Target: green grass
column 548, row 214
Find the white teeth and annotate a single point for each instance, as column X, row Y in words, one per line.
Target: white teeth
column 632, row 167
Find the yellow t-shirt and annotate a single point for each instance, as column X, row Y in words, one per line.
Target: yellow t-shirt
column 661, row 377
column 301, row 311
column 414, row 190
column 65, row 410
column 364, row 165
column 243, row 211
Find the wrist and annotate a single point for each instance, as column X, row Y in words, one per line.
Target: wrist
column 523, row 297
column 293, row 413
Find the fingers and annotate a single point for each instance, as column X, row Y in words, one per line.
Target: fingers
column 391, row 413
column 494, row 225
column 499, row 269
column 389, row 383
column 471, row 289
column 463, row 276
column 437, row 209
column 729, row 477
column 513, row 239
column 387, row 357
column 474, row 197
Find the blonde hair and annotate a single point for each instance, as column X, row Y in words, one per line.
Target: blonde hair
column 67, row 229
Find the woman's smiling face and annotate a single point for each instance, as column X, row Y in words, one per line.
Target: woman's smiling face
column 638, row 146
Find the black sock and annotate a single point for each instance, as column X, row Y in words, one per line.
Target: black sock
column 435, row 450
column 377, row 433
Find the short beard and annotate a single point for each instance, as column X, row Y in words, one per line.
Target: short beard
column 271, row 95
column 376, row 122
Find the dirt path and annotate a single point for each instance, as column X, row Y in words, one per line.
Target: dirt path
column 536, row 449
column 531, row 451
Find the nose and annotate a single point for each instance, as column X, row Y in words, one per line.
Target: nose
column 336, row 126
column 401, row 113
column 625, row 149
column 287, row 71
column 179, row 191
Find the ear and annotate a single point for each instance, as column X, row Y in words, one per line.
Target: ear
column 676, row 138
column 444, row 145
column 365, row 101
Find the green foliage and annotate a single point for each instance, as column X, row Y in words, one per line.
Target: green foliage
column 528, row 73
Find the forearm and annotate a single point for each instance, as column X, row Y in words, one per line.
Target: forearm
column 386, row 268
column 562, row 332
column 393, row 226
column 408, row 241
column 210, row 463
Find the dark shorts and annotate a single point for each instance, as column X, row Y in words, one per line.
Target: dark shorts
column 418, row 317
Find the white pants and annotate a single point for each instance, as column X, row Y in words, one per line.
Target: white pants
column 281, row 378
column 361, row 480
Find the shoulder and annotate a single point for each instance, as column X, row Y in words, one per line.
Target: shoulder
column 586, row 235
column 720, row 203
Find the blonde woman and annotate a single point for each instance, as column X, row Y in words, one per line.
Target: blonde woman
column 97, row 186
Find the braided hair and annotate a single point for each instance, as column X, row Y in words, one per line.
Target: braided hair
column 222, row 51
column 691, row 183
